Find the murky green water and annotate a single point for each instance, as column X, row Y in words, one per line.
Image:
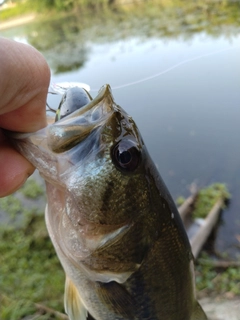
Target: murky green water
column 189, row 113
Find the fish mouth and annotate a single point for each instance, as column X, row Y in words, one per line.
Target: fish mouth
column 68, row 132
column 49, row 149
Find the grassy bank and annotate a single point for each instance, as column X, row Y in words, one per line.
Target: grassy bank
column 24, row 7
column 16, row 11
column 31, row 278
column 195, row 12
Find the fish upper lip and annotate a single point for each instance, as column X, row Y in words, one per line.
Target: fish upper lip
column 72, row 129
column 105, row 92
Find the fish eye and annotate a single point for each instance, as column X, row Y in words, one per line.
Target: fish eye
column 126, row 155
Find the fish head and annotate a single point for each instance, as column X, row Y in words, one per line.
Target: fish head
column 100, row 159
column 99, row 202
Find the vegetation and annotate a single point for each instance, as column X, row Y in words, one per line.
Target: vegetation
column 64, row 30
column 207, row 197
column 180, row 200
column 193, row 15
column 215, row 276
column 16, row 10
column 32, row 189
column 31, row 278
column 19, row 7
column 213, row 279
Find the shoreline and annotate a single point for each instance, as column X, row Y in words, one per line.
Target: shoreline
column 17, row 21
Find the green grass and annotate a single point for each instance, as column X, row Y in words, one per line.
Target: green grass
column 32, row 189
column 212, row 281
column 16, row 11
column 43, row 6
column 30, row 273
column 11, row 205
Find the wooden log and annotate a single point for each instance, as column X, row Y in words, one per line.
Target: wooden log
column 198, row 239
column 186, row 208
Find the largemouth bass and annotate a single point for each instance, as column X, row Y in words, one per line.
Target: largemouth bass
column 112, row 221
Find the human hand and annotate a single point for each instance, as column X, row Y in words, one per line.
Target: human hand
column 24, row 81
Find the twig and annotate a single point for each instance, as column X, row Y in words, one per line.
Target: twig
column 220, row 263
column 41, row 307
column 185, row 209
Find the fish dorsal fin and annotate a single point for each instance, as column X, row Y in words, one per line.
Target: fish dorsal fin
column 73, row 302
column 198, row 313
column 115, row 295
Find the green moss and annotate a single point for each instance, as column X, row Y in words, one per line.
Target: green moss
column 216, row 281
column 32, row 189
column 11, row 205
column 207, row 197
column 180, row 200
column 30, row 271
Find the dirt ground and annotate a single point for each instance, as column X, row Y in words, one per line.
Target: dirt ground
column 217, row 309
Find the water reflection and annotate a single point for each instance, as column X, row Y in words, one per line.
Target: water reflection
column 189, row 116
column 65, row 40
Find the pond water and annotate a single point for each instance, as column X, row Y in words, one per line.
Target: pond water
column 176, row 71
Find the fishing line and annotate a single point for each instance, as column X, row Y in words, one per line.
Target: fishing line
column 60, row 88
column 175, row 66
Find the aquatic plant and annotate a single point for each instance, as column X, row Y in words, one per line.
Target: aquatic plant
column 207, row 197
column 213, row 277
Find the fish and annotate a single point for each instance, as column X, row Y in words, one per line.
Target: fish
column 113, row 223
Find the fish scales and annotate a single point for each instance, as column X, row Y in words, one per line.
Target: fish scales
column 112, row 221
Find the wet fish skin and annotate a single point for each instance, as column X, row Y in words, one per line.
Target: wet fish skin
column 115, row 228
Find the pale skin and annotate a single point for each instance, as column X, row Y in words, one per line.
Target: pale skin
column 24, row 81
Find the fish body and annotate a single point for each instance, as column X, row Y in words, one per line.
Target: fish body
column 113, row 223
